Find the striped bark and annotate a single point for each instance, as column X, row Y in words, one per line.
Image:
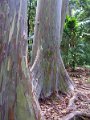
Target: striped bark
column 17, row 101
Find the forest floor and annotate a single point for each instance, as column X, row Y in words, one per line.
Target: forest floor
column 66, row 106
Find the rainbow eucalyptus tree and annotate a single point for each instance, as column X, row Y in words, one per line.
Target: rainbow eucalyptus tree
column 17, row 101
column 48, row 71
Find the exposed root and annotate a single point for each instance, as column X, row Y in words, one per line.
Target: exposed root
column 76, row 96
column 77, row 115
column 71, row 104
column 85, row 87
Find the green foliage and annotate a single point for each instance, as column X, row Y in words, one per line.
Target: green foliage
column 71, row 23
column 72, row 44
column 76, row 37
column 31, row 15
column 31, row 22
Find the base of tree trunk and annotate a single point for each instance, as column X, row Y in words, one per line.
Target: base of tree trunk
column 49, row 76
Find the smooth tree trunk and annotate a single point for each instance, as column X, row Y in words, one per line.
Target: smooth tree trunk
column 65, row 5
column 17, row 101
column 64, row 11
column 48, row 71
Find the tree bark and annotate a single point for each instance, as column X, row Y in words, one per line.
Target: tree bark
column 17, row 101
column 48, row 71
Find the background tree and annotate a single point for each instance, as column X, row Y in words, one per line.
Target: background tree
column 48, row 72
column 17, row 101
column 79, row 9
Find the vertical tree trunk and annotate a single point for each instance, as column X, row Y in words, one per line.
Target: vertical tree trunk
column 63, row 16
column 17, row 101
column 48, row 71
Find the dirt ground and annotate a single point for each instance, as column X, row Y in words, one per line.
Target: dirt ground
column 56, row 108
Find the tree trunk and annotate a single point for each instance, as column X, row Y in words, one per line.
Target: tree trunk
column 17, row 101
column 63, row 16
column 48, row 71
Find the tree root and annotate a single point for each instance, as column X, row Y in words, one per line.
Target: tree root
column 76, row 96
column 71, row 104
column 77, row 115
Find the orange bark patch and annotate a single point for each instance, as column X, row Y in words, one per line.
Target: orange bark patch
column 10, row 114
column 19, row 62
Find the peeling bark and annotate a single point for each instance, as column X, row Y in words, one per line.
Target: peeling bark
column 17, row 101
column 48, row 71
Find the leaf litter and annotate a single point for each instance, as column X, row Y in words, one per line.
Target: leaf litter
column 54, row 108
